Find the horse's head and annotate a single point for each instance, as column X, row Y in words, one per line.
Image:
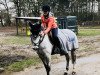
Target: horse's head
column 35, row 29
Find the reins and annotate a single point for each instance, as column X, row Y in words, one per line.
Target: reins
column 39, row 42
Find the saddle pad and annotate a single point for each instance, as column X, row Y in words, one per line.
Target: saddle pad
column 68, row 39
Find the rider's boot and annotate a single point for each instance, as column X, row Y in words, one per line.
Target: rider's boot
column 59, row 47
column 53, row 52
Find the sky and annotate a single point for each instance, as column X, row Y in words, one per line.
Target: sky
column 10, row 4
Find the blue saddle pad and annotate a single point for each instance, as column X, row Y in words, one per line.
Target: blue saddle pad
column 68, row 39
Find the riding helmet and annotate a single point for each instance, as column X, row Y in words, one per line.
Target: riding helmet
column 46, row 8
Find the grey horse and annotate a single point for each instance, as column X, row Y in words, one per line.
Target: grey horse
column 43, row 46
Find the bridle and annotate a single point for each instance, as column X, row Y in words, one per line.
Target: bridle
column 38, row 43
column 32, row 36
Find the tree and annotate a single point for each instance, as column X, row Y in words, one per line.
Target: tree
column 1, row 18
column 5, row 4
column 83, row 9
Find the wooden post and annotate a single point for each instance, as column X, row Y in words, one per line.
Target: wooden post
column 26, row 26
column 16, row 26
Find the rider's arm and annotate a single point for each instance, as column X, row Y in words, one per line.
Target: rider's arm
column 50, row 23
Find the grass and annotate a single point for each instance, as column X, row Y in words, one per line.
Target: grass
column 89, row 27
column 16, row 66
column 23, row 40
column 89, row 32
column 19, row 66
column 18, row 40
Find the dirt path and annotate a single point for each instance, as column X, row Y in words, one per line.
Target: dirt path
column 85, row 66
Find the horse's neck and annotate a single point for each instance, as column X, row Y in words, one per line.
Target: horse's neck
column 46, row 41
column 46, row 44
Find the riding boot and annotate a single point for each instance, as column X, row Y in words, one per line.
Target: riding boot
column 53, row 50
column 61, row 51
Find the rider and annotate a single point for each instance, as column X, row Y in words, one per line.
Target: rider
column 49, row 24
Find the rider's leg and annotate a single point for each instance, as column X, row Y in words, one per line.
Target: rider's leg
column 56, row 40
column 54, row 32
column 55, row 37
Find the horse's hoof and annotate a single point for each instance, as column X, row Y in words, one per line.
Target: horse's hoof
column 65, row 73
column 73, row 73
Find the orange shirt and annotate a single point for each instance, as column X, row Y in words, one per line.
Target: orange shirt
column 48, row 23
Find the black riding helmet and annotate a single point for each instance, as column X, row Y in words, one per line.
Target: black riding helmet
column 46, row 8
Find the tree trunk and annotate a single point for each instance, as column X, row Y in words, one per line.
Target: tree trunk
column 2, row 23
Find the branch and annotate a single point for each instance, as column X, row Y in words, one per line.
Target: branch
column 2, row 3
column 70, row 5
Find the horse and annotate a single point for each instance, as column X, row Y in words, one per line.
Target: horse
column 43, row 46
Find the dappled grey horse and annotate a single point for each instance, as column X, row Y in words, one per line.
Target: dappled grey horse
column 43, row 47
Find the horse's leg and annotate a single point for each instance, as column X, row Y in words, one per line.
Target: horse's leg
column 46, row 61
column 73, row 55
column 67, row 63
column 47, row 65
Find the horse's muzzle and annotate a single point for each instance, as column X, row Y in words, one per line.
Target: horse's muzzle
column 35, row 48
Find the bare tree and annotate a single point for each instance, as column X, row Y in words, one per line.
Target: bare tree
column 1, row 18
column 5, row 4
column 83, row 9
